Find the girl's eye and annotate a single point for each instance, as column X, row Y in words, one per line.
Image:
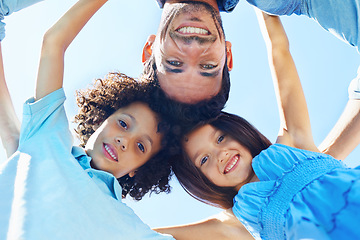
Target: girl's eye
column 220, row 139
column 141, row 147
column 175, row 63
column 203, row 160
column 123, row 124
column 208, row 66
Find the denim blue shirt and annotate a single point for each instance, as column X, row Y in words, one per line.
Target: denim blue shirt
column 224, row 5
column 9, row 6
column 49, row 191
column 340, row 17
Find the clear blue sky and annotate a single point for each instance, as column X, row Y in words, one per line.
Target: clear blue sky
column 114, row 38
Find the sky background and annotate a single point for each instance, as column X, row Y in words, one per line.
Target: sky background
column 113, row 41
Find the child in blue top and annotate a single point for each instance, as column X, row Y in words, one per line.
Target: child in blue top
column 52, row 190
column 288, row 190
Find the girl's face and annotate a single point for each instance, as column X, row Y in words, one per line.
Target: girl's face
column 223, row 160
column 125, row 141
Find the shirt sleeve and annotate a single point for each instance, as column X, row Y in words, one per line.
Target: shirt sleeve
column 45, row 118
column 7, row 7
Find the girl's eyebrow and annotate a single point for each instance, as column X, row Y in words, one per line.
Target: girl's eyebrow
column 196, row 155
column 130, row 116
column 146, row 136
column 211, row 136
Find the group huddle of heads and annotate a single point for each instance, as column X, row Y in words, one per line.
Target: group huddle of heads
column 118, row 91
column 155, row 156
column 175, row 121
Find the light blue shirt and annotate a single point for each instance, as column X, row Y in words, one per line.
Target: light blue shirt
column 340, row 17
column 49, row 191
column 9, row 6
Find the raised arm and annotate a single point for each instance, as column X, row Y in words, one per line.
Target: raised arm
column 345, row 135
column 9, row 122
column 56, row 41
column 221, row 226
column 295, row 129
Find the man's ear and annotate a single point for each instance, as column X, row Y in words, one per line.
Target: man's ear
column 132, row 174
column 146, row 54
column 229, row 56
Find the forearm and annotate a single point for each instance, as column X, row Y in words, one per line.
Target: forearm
column 9, row 123
column 56, row 41
column 222, row 226
column 345, row 135
column 295, row 128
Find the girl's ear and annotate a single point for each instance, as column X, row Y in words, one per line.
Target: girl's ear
column 229, row 56
column 146, row 54
column 132, row 174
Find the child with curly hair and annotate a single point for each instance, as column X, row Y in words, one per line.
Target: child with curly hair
column 52, row 190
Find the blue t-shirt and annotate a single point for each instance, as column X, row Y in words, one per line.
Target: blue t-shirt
column 49, row 191
column 340, row 17
column 224, row 5
column 300, row 195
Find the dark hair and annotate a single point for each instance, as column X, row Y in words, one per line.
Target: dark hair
column 194, row 181
column 187, row 115
column 106, row 96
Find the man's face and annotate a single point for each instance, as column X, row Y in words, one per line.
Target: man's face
column 190, row 51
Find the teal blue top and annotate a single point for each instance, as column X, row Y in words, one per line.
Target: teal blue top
column 300, row 195
column 48, row 189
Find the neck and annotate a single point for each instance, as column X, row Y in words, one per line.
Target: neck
column 213, row 3
column 254, row 178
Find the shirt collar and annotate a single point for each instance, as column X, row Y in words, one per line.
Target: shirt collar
column 84, row 161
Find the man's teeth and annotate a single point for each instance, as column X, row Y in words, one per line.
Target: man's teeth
column 193, row 30
column 232, row 164
column 110, row 152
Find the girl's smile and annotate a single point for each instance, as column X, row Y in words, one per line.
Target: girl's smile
column 110, row 152
column 223, row 160
column 232, row 164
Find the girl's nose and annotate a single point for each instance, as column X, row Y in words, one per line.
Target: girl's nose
column 222, row 155
column 122, row 143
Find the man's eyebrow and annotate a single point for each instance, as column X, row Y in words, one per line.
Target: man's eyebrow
column 204, row 74
column 210, row 74
column 173, row 70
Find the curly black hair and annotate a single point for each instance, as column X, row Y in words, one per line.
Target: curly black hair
column 107, row 95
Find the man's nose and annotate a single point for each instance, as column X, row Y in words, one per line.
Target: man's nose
column 193, row 47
